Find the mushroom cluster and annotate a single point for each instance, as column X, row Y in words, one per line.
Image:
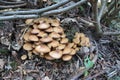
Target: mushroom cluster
column 46, row 38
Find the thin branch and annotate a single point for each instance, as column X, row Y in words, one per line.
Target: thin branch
column 18, row 17
column 102, row 9
column 8, row 2
column 111, row 33
column 38, row 10
column 63, row 9
column 12, row 6
column 110, row 7
column 44, row 14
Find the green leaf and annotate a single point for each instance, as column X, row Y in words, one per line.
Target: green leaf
column 88, row 63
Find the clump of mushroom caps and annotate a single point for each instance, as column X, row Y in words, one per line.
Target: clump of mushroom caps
column 46, row 38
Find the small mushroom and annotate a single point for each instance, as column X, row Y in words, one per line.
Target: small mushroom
column 26, row 36
column 55, row 22
column 85, row 42
column 37, row 43
column 42, row 48
column 43, row 26
column 58, row 29
column 53, row 44
column 66, row 50
column 61, row 46
column 27, row 46
column 35, row 31
column 64, row 40
column 63, row 35
column 46, row 39
column 49, row 29
column 33, row 38
column 35, row 52
column 48, row 57
column 77, row 49
column 76, row 41
column 24, row 57
column 35, row 26
column 73, row 52
column 66, row 57
column 70, row 45
column 56, row 54
column 75, row 45
column 28, row 21
column 42, row 34
column 54, row 35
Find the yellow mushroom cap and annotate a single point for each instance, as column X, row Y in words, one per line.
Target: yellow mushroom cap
column 26, row 36
column 43, row 26
column 37, row 43
column 42, row 49
column 35, row 52
column 28, row 21
column 35, row 26
column 76, row 41
column 85, row 42
column 77, row 49
column 79, row 35
column 24, row 57
column 63, row 35
column 58, row 29
column 61, row 46
column 49, row 29
column 48, row 57
column 33, row 38
column 56, row 54
column 66, row 57
column 66, row 50
column 70, row 45
column 46, row 39
column 64, row 40
column 55, row 22
column 42, row 34
column 54, row 35
column 53, row 44
column 35, row 31
column 73, row 52
column 27, row 46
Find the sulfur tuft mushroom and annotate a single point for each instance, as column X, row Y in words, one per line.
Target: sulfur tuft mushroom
column 56, row 54
column 66, row 57
column 47, row 39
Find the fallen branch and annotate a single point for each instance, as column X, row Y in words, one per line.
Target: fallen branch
column 12, row 6
column 63, row 9
column 37, row 10
column 8, row 2
column 111, row 33
column 18, row 17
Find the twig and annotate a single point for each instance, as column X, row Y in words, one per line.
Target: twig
column 110, row 7
column 18, row 17
column 37, row 10
column 12, row 6
column 63, row 9
column 8, row 2
column 111, row 33
column 90, row 78
column 87, row 22
column 102, row 9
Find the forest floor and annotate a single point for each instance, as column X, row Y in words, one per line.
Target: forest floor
column 106, row 48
